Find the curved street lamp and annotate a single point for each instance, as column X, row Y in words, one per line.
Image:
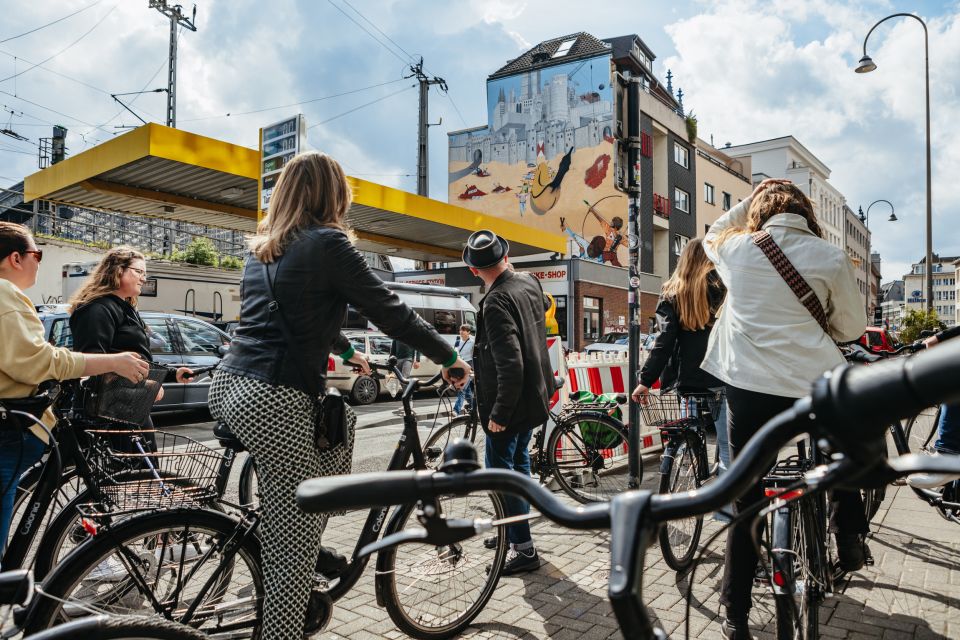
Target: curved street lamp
column 867, row 65
column 866, row 216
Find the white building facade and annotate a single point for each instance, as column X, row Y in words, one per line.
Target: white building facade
column 945, row 291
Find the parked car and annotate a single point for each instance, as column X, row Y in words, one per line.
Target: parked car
column 609, row 342
column 363, row 389
column 175, row 340
column 878, row 339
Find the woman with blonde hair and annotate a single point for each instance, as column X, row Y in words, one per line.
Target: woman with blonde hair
column 27, row 359
column 775, row 336
column 301, row 273
column 688, row 306
column 103, row 312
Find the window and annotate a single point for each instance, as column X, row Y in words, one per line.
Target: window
column 681, row 200
column 591, row 319
column 646, row 145
column 679, row 242
column 726, row 201
column 561, row 316
column 158, row 333
column 359, row 344
column 709, row 195
column 60, row 335
column 199, row 338
column 446, row 322
column 681, row 155
column 380, row 345
column 564, row 48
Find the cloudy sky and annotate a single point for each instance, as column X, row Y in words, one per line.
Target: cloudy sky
column 751, row 70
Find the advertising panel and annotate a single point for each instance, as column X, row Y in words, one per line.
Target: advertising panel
column 279, row 143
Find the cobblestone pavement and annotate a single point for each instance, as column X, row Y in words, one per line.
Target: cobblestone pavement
column 912, row 591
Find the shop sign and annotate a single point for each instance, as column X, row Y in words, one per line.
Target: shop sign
column 437, row 280
column 547, row 274
column 279, row 143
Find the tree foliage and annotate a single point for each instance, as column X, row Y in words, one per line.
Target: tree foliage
column 917, row 321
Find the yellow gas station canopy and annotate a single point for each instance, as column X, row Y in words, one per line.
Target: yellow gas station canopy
column 169, row 173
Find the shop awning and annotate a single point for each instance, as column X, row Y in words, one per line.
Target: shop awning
column 169, row 173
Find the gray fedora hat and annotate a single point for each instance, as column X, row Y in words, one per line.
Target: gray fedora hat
column 484, row 249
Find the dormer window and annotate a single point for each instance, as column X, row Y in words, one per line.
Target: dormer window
column 564, row 48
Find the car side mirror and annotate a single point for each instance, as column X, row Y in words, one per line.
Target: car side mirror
column 223, row 349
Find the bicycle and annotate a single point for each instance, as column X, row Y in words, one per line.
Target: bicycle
column 684, row 466
column 872, row 395
column 17, row 589
column 181, row 563
column 585, row 452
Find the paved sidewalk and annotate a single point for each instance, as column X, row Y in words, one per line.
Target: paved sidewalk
column 913, row 590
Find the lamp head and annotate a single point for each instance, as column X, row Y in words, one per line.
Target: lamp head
column 866, row 65
column 892, row 218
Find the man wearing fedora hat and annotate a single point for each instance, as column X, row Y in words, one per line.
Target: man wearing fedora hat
column 514, row 377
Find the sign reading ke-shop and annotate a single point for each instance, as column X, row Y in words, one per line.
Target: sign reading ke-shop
column 279, row 143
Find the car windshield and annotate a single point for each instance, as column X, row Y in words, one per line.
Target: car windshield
column 612, row 338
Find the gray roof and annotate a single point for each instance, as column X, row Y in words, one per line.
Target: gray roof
column 540, row 56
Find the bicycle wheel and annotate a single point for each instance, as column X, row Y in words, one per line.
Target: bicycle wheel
column 587, row 454
column 121, row 628
column 189, row 565
column 435, row 592
column 681, row 471
column 71, row 484
column 921, row 432
column 872, row 499
column 248, row 490
column 460, row 427
column 799, row 567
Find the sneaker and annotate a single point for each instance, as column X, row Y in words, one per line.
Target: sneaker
column 491, row 542
column 736, row 629
column 330, row 563
column 521, row 562
column 850, row 551
column 930, row 480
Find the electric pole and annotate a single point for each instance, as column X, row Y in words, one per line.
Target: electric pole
column 175, row 14
column 424, row 126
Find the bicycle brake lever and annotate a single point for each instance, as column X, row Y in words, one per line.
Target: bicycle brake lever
column 438, row 532
column 417, row 534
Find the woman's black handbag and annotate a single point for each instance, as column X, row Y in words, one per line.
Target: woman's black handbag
column 330, row 421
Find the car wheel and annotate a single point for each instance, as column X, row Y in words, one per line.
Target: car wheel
column 365, row 390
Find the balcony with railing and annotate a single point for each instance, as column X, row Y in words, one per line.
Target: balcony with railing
column 661, row 206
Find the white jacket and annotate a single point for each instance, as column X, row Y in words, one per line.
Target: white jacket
column 765, row 340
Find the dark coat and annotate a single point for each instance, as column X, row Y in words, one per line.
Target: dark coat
column 319, row 273
column 513, row 372
column 109, row 324
column 677, row 353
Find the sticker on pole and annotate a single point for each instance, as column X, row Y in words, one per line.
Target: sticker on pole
column 634, row 282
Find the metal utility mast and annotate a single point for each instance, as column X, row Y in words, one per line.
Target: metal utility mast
column 176, row 17
column 424, row 126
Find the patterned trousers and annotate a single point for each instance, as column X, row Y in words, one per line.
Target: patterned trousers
column 275, row 423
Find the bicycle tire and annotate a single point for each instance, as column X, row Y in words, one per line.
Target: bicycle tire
column 794, row 532
column 681, row 471
column 419, row 582
column 70, row 485
column 919, row 437
column 177, row 548
column 248, row 490
column 872, row 499
column 67, row 529
column 121, row 628
column 459, row 427
column 578, row 463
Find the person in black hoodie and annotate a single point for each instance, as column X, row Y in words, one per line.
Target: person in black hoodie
column 686, row 311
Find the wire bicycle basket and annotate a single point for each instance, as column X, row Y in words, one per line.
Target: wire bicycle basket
column 179, row 472
column 675, row 410
column 113, row 397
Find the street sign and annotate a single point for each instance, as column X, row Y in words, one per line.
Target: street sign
column 279, row 143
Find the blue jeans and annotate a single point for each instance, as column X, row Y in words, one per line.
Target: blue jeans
column 465, row 394
column 948, row 429
column 18, row 451
column 511, row 452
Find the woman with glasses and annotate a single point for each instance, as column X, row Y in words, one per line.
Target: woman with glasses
column 27, row 359
column 104, row 316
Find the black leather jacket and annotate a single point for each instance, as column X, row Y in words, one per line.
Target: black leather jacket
column 513, row 372
column 319, row 273
column 677, row 353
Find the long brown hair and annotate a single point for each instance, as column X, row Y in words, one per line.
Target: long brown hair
column 689, row 287
column 105, row 279
column 312, row 191
column 776, row 198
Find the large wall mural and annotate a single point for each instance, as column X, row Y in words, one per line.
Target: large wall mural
column 545, row 157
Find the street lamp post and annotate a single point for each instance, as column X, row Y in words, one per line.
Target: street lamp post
column 867, row 65
column 865, row 218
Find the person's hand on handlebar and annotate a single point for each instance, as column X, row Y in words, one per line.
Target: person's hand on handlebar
column 931, row 341
column 359, row 361
column 184, row 375
column 460, row 382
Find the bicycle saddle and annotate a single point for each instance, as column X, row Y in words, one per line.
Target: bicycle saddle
column 222, row 432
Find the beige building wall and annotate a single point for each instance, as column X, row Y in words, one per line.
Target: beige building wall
column 857, row 243
column 945, row 291
column 722, row 182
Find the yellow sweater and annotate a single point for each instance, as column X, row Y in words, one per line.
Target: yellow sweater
column 26, row 358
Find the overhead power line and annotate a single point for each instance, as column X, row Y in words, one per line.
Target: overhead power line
column 69, row 46
column 295, row 104
column 367, row 31
column 49, row 24
column 370, row 22
column 367, row 104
